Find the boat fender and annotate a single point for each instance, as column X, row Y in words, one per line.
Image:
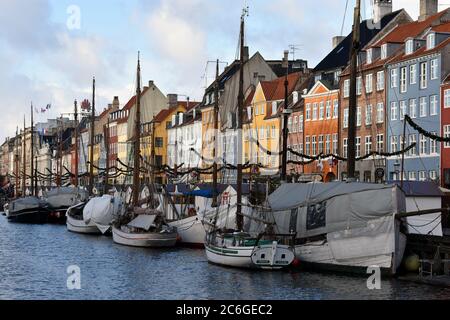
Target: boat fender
column 296, row 263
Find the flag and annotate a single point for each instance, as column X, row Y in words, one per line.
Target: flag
column 43, row 110
column 48, row 106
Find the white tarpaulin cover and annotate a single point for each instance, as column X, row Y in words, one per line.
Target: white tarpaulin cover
column 143, row 221
column 102, row 211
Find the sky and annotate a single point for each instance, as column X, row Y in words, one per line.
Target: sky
column 51, row 49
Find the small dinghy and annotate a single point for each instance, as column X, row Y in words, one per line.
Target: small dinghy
column 28, row 210
column 75, row 221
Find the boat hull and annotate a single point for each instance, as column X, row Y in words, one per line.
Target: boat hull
column 191, row 232
column 144, row 240
column 79, row 226
column 318, row 255
column 31, row 217
column 237, row 257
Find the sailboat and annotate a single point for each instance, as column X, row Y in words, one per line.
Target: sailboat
column 142, row 226
column 236, row 248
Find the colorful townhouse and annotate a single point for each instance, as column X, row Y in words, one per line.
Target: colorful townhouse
column 414, row 87
column 320, row 130
column 445, row 132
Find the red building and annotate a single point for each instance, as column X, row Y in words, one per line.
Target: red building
column 445, row 125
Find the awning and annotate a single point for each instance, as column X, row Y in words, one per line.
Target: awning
column 204, row 193
column 143, row 222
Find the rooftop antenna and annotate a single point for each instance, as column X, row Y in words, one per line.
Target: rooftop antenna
column 294, row 48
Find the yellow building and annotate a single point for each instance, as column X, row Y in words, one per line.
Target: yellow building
column 263, row 123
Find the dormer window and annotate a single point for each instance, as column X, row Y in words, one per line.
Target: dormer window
column 409, row 48
column 295, row 97
column 369, row 56
column 274, row 107
column 431, row 41
column 384, row 51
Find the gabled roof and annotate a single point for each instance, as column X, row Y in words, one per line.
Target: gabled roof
column 275, row 90
column 339, row 56
column 412, row 29
column 321, row 83
column 419, row 52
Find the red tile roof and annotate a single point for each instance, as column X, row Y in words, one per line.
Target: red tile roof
column 444, row 27
column 274, row 90
column 412, row 29
column 419, row 52
column 163, row 114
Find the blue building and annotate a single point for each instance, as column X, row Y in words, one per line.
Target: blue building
column 414, row 76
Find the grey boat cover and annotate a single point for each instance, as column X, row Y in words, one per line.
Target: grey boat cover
column 27, row 203
column 66, row 197
column 323, row 208
column 143, row 221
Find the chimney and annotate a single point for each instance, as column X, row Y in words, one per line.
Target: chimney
column 427, row 9
column 151, row 83
column 116, row 103
column 381, row 8
column 246, row 54
column 173, row 100
column 337, row 40
column 110, row 106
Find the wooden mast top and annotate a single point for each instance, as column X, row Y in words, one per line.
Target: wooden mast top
column 91, row 155
column 137, row 137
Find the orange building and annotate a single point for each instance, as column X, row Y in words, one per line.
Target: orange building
column 321, row 129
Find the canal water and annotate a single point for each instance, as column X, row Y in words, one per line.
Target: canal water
column 34, row 261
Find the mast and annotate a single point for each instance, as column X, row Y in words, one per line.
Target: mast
column 24, row 167
column 216, row 128
column 137, row 137
column 239, row 217
column 285, row 119
column 33, row 191
column 76, row 143
column 106, row 133
column 153, row 155
column 16, row 158
column 61, row 152
column 91, row 155
column 352, row 100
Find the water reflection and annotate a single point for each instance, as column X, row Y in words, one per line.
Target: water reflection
column 34, row 261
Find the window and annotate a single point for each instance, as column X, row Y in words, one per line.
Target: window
column 446, row 98
column 256, row 111
column 368, row 145
column 345, row 147
column 320, row 149
column 307, row 145
column 412, row 176
column 358, row 147
column 295, row 97
column 384, row 51
column 423, row 144
column 394, row 111
column 321, row 111
column 394, row 144
column 413, row 108
column 274, row 108
column 403, row 87
column 409, row 48
column 369, row 56
column 359, row 86
column 446, row 135
column 346, row 88
column 314, row 145
column 434, row 105
column 380, row 112
column 369, row 83
column 274, row 132
column 423, row 107
column 300, row 123
column 433, row 144
column 358, row 116
column 412, row 140
column 261, row 133
column 345, row 118
column 294, row 127
column 423, row 75
column 335, row 143
column 335, row 108
column 380, row 80
column 159, row 142
column 413, row 74
column 394, row 78
column 368, row 115
column 380, row 143
column 422, row 175
column 431, row 41
column 434, row 69
column 314, row 114
column 328, row 144
column 308, row 111
column 402, row 109
column 328, row 110
column 433, row 175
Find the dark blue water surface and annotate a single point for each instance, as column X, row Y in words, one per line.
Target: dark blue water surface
column 34, row 261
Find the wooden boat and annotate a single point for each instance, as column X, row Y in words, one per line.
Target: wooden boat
column 75, row 221
column 28, row 210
